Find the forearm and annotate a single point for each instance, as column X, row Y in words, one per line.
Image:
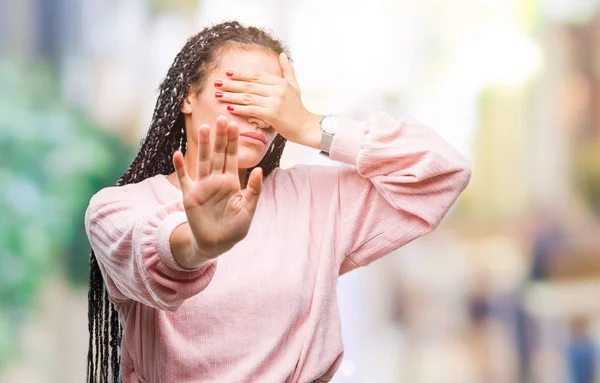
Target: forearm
column 133, row 246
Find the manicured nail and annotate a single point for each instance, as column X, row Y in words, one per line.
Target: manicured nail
column 218, row 94
column 218, row 83
column 230, row 108
column 229, row 73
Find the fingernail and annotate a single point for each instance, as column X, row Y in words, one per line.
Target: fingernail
column 229, row 73
column 230, row 108
column 218, row 94
column 218, row 83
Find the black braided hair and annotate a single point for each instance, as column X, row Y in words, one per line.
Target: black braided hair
column 196, row 60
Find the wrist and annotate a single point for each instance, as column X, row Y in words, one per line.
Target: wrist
column 203, row 252
column 185, row 249
column 198, row 253
column 310, row 131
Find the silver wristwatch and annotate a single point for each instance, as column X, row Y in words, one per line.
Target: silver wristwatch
column 329, row 125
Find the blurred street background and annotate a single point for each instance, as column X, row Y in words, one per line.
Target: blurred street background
column 506, row 290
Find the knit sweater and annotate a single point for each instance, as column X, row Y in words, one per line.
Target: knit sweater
column 266, row 310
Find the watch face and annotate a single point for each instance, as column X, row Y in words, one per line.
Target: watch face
column 330, row 124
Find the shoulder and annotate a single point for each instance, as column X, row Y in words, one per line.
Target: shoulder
column 132, row 193
column 112, row 197
column 108, row 194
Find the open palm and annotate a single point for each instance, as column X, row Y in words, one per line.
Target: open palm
column 218, row 213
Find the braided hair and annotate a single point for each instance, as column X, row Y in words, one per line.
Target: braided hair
column 192, row 65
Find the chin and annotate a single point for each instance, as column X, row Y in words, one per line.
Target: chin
column 249, row 158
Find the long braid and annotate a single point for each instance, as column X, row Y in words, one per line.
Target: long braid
column 166, row 133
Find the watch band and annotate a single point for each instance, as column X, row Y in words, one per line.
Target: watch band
column 326, row 140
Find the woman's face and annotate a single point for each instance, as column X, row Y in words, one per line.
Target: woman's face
column 205, row 107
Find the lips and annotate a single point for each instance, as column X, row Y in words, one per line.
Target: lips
column 257, row 136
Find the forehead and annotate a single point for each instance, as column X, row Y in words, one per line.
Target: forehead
column 250, row 60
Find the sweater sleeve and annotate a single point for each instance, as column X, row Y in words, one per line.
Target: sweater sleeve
column 403, row 180
column 131, row 241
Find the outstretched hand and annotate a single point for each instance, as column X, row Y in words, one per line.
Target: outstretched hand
column 219, row 213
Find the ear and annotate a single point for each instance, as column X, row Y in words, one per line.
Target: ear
column 186, row 108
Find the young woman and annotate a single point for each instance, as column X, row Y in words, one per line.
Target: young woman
column 218, row 265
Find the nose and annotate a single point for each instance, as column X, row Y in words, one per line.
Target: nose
column 260, row 124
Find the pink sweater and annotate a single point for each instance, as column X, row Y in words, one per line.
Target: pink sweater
column 266, row 311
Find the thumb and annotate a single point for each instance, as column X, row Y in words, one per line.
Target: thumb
column 254, row 188
column 287, row 69
column 179, row 164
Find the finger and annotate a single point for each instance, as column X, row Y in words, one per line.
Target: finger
column 218, row 154
column 241, row 98
column 253, row 188
column 242, row 86
column 231, row 160
column 250, row 111
column 182, row 175
column 287, row 69
column 257, row 77
column 203, row 166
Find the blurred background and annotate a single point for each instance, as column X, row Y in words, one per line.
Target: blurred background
column 506, row 290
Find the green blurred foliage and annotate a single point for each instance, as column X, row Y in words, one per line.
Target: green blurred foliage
column 52, row 159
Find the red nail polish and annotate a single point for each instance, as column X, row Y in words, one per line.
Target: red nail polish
column 218, row 83
column 218, row 94
column 230, row 108
column 229, row 73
